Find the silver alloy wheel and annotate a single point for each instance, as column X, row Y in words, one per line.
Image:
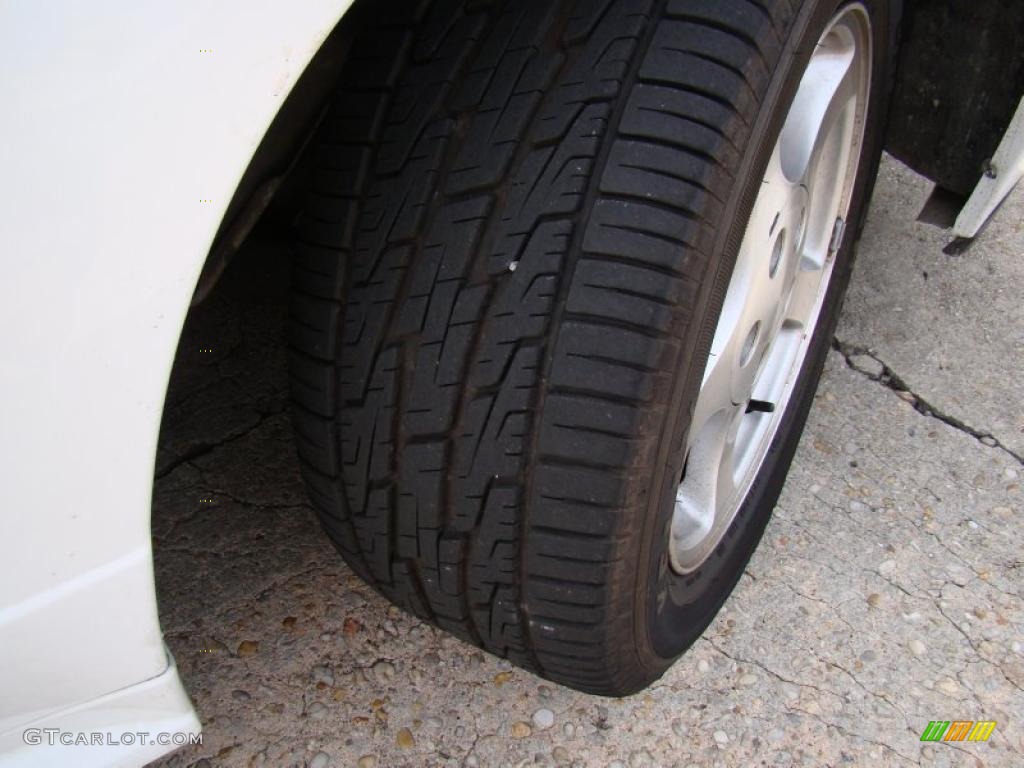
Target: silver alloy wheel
column 776, row 292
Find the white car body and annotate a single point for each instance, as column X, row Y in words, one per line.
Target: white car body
column 126, row 128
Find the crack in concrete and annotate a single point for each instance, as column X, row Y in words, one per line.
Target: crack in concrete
column 246, row 503
column 891, row 380
column 825, row 691
column 772, row 673
column 935, row 602
column 465, row 757
column 847, row 732
column 977, row 651
column 204, row 448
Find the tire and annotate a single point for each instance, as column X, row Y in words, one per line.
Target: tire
column 521, row 229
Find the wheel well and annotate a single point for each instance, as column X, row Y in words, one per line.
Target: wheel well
column 267, row 175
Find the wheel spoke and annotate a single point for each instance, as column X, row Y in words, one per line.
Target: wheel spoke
column 715, row 394
column 830, row 148
column 726, row 481
column 802, row 298
column 709, row 480
column 694, row 512
column 829, row 85
column 838, row 109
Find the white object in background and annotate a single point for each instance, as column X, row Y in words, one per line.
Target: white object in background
column 1007, row 168
column 126, row 129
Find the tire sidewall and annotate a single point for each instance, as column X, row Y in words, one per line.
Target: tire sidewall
column 677, row 609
